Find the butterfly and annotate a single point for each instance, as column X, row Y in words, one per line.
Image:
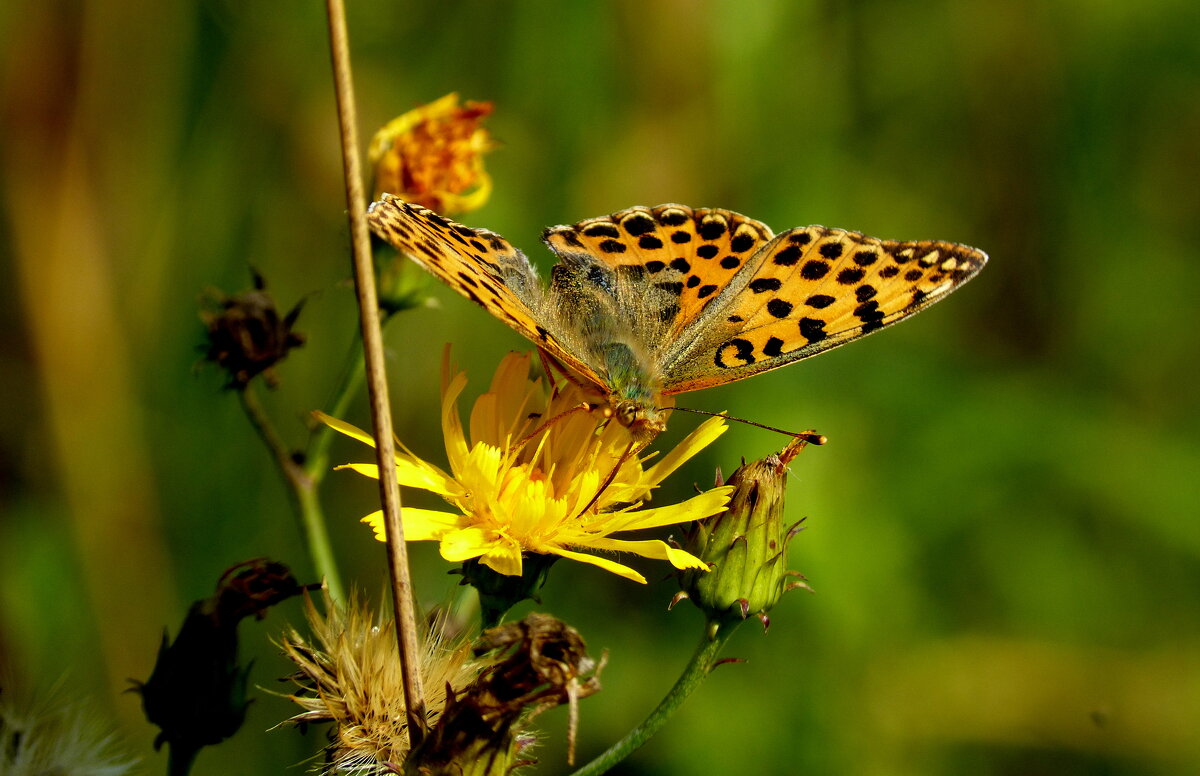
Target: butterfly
column 650, row 302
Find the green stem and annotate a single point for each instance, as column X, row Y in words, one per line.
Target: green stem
column 693, row 674
column 303, row 490
column 319, row 547
column 316, row 456
column 180, row 760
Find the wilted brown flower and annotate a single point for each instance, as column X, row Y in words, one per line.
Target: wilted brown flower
column 196, row 693
column 433, row 156
column 537, row 664
column 247, row 336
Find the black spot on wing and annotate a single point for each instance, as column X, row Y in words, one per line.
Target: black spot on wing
column 761, row 285
column 601, row 230
column 870, row 314
column 787, row 256
column 741, row 243
column 712, row 227
column 779, row 308
column 672, row 217
column 814, row 270
column 638, row 224
column 813, row 329
column 734, row 350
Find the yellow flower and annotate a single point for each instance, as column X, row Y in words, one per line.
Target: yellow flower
column 527, row 480
column 433, row 156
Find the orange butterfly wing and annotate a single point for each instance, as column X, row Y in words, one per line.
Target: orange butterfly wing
column 480, row 265
column 808, row 291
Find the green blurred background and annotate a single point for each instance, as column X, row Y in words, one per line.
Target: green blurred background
column 1002, row 531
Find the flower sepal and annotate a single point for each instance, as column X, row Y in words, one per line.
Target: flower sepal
column 745, row 546
column 500, row 592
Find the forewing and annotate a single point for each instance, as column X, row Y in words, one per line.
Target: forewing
column 810, row 290
column 670, row 261
column 480, row 265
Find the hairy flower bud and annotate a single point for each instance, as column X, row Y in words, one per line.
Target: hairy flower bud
column 746, row 545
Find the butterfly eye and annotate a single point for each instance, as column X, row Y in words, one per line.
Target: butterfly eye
column 627, row 413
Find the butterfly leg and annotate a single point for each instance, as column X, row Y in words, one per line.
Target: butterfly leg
column 612, row 475
column 553, row 366
column 537, row 431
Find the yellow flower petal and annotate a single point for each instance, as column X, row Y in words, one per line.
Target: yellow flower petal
column 693, row 443
column 419, row 524
column 346, row 428
column 710, row 502
column 652, row 548
column 412, row 474
column 501, row 416
column 604, row 563
column 504, row 557
column 452, row 431
column 466, row 543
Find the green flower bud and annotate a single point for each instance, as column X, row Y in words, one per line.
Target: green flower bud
column 746, row 545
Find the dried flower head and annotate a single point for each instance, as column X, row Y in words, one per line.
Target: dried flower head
column 246, row 334
column 541, row 475
column 433, row 156
column 537, row 664
column 349, row 674
column 196, row 693
column 46, row 737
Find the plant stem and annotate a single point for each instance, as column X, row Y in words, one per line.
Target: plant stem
column 316, row 455
column 381, row 417
column 693, row 674
column 303, row 489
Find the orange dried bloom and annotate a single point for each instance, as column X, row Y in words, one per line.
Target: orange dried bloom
column 433, row 156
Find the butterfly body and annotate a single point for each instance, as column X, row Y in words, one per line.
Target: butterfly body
column 650, row 302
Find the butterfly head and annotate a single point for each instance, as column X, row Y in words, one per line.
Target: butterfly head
column 643, row 421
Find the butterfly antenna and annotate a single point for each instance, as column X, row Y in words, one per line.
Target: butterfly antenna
column 532, row 434
column 810, row 437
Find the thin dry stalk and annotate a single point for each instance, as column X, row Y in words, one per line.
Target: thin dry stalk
column 368, row 305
